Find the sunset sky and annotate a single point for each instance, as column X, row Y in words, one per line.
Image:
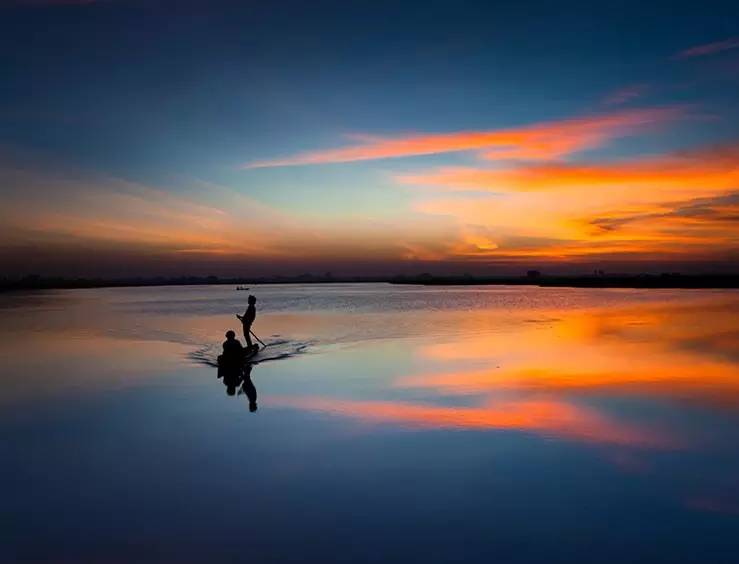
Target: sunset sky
column 162, row 137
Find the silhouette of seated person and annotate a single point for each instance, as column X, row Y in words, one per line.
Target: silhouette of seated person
column 248, row 388
column 232, row 359
column 232, row 348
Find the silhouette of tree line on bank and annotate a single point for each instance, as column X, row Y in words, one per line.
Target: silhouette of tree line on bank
column 596, row 279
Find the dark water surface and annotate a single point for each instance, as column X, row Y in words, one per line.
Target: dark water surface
column 403, row 425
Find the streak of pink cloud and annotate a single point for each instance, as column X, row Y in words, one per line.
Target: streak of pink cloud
column 709, row 48
column 626, row 94
column 541, row 141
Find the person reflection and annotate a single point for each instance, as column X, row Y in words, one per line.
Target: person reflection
column 248, row 388
column 231, row 379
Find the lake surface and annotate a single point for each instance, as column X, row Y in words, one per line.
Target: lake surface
column 404, row 424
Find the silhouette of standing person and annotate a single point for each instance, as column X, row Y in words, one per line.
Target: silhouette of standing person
column 247, row 319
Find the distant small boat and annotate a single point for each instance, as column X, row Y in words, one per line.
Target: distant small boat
column 241, row 288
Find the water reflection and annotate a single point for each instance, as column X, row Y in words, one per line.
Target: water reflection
column 684, row 352
column 543, row 416
column 249, row 390
column 239, row 378
column 579, row 375
column 457, row 420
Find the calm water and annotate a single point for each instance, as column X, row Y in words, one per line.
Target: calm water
column 409, row 424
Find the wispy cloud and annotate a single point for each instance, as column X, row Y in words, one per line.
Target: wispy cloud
column 703, row 213
column 626, row 94
column 74, row 213
column 541, row 141
column 709, row 48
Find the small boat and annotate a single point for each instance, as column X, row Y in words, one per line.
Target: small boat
column 242, row 288
column 251, row 352
column 248, row 353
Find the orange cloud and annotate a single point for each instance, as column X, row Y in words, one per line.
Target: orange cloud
column 714, row 217
column 681, row 205
column 540, row 141
column 709, row 48
column 708, row 170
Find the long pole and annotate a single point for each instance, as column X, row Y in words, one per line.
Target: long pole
column 257, row 338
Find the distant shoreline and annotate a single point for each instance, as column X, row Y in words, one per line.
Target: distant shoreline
column 662, row 281
column 727, row 281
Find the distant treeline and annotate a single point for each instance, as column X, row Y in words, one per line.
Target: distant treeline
column 35, row 282
column 533, row 278
column 664, row 280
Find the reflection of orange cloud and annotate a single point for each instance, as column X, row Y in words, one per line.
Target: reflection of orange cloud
column 545, row 417
column 707, row 382
column 540, row 141
column 683, row 351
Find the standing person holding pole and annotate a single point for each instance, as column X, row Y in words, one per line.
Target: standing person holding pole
column 247, row 319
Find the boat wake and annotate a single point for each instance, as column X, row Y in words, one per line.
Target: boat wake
column 275, row 350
